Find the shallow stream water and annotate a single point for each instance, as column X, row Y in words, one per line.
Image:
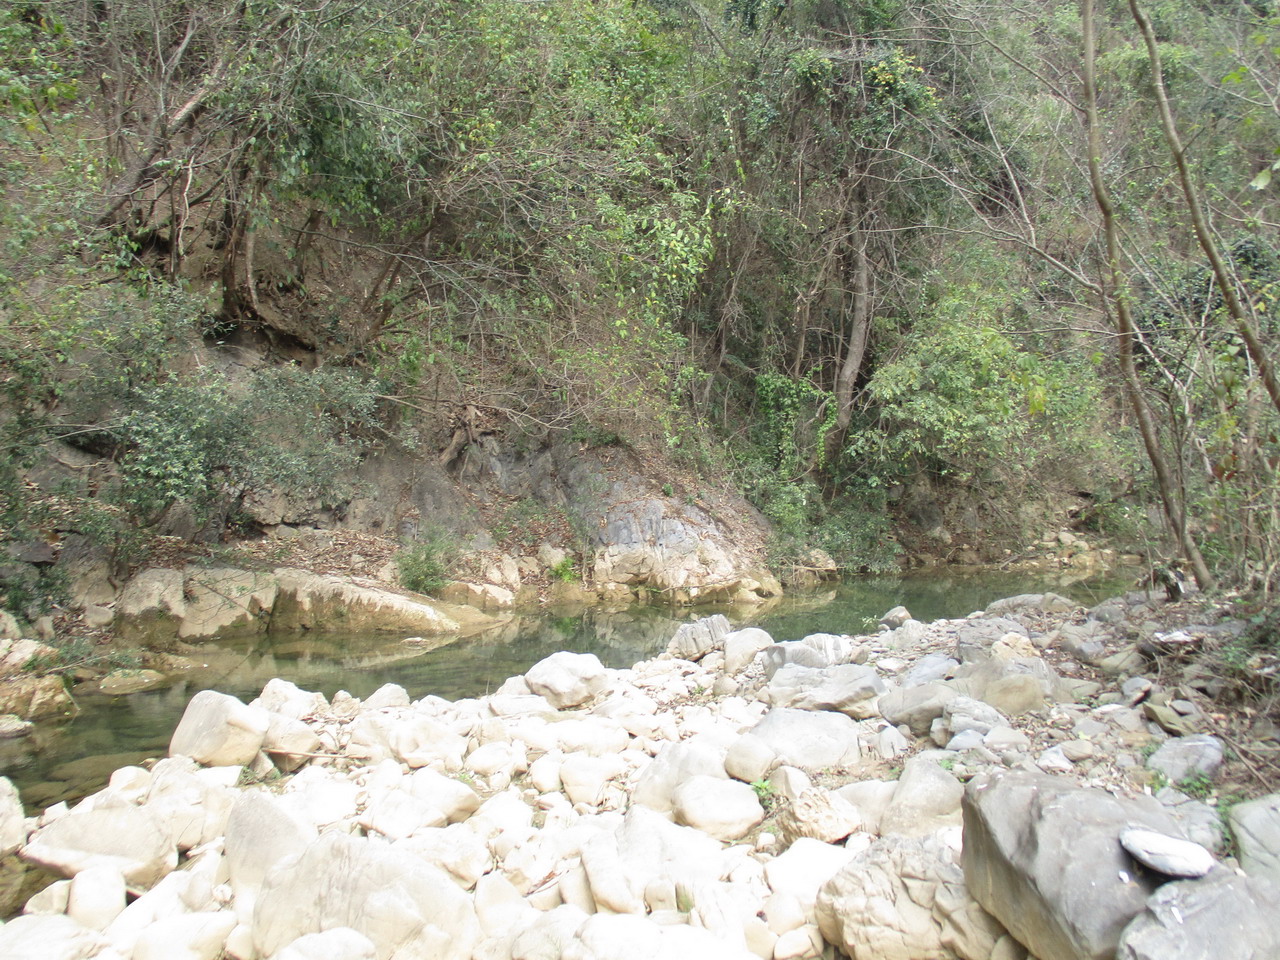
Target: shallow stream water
column 71, row 759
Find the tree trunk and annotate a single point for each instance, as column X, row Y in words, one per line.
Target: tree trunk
column 1116, row 303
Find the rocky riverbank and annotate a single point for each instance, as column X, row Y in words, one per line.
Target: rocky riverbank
column 1019, row 783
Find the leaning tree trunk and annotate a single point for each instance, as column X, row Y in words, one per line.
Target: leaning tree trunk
column 1116, row 298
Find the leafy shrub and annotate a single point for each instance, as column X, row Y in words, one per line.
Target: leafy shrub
column 426, row 566
column 566, row 571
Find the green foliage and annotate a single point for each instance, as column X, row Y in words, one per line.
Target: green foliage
column 782, row 403
column 29, row 592
column 961, row 395
column 427, row 565
column 566, row 571
column 210, row 442
column 764, row 793
column 1196, row 785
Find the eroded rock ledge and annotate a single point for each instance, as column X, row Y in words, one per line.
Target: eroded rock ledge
column 735, row 798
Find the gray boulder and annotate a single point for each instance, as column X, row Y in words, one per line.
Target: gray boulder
column 1087, row 641
column 261, row 833
column 778, row 655
column 674, row 764
column 741, row 647
column 930, row 667
column 974, row 638
column 1256, row 825
column 1222, row 916
column 53, row 937
column 567, row 679
column 918, row 706
column 926, row 800
column 896, row 617
column 108, row 833
column 1032, row 603
column 1043, row 856
column 1182, row 757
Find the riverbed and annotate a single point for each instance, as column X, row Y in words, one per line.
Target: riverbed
column 64, row 761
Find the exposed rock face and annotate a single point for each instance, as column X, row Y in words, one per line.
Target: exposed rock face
column 35, row 698
column 307, row 601
column 159, row 607
column 1044, row 858
column 151, row 608
column 226, row 602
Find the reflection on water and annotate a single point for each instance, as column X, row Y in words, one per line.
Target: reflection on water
column 74, row 758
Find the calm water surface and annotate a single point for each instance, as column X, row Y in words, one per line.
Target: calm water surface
column 71, row 759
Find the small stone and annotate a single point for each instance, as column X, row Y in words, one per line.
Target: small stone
column 1167, row 855
column 1077, row 750
column 1054, row 760
column 1136, row 689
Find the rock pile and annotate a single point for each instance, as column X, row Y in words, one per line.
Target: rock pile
column 735, row 798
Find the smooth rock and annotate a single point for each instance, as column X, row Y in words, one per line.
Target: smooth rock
column 55, row 937
column 1256, row 826
column 219, row 730
column 120, row 683
column 750, row 759
column 741, row 647
column 112, row 833
column 916, row 707
column 339, row 943
column 927, row 799
column 724, row 809
column 1182, row 757
column 675, row 763
column 188, row 936
column 261, row 832
column 1170, row 856
column 804, row 868
column 808, row 740
column 567, row 679
column 13, row 830
column 96, row 897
